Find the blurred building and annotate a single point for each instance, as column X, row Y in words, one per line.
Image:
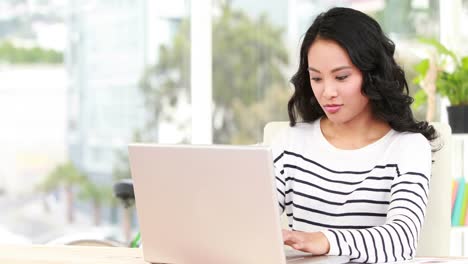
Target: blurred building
column 105, row 59
column 111, row 43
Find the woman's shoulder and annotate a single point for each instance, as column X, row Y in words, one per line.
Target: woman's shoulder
column 412, row 153
column 290, row 134
column 409, row 141
column 304, row 127
column 300, row 130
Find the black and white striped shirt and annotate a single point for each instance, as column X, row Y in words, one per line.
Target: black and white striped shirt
column 369, row 202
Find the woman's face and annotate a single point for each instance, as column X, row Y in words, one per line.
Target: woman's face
column 336, row 82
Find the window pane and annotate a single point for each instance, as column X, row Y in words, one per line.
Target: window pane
column 255, row 53
column 250, row 69
column 464, row 30
column 79, row 80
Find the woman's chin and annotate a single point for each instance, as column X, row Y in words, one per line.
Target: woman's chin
column 336, row 118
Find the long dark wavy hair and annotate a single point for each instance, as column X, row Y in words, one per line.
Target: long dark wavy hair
column 372, row 53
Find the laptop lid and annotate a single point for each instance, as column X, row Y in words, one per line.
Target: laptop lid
column 206, row 204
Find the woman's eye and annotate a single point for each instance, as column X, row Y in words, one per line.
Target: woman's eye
column 315, row 79
column 341, row 78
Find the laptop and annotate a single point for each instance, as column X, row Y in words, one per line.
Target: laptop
column 210, row 204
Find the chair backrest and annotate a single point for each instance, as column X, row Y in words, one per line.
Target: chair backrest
column 435, row 235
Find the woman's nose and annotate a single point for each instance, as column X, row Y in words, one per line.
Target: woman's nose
column 329, row 90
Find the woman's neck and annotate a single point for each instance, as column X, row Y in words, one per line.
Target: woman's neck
column 354, row 134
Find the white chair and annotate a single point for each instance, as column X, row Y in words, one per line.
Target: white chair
column 435, row 236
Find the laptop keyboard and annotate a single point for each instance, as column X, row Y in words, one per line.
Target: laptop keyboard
column 292, row 254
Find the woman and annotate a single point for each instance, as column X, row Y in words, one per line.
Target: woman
column 353, row 175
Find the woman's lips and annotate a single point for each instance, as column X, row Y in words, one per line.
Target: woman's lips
column 332, row 108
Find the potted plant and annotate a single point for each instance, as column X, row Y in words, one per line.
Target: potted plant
column 446, row 74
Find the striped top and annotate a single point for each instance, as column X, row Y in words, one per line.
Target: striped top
column 369, row 202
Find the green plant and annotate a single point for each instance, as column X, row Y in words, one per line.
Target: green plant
column 64, row 176
column 452, row 75
column 10, row 53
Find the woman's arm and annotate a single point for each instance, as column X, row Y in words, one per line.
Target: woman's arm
column 278, row 147
column 397, row 239
column 280, row 181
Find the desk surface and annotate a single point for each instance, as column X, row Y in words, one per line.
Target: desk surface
column 37, row 254
column 69, row 254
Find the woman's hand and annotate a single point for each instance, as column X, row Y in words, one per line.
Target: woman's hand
column 315, row 242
